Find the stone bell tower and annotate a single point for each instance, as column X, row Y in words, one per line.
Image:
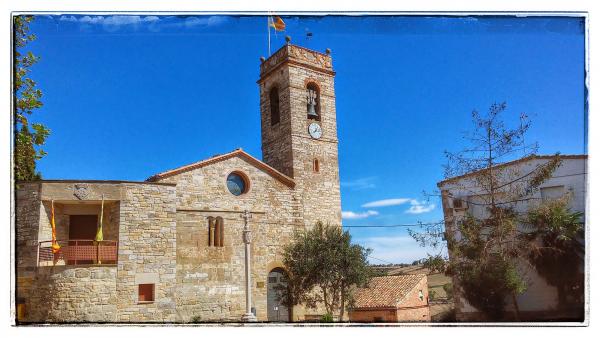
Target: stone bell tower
column 299, row 129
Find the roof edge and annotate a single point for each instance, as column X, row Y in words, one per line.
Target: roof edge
column 238, row 152
column 95, row 182
column 519, row 160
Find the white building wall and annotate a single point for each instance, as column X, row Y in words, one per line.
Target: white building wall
column 571, row 175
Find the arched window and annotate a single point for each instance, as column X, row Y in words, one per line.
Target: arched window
column 220, row 232
column 216, row 231
column 274, row 103
column 313, row 100
column 211, row 231
column 316, row 165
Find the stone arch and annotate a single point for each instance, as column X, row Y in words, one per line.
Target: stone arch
column 315, row 102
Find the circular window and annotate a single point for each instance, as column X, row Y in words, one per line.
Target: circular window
column 237, row 184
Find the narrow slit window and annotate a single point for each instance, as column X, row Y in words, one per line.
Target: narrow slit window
column 146, row 292
column 316, row 165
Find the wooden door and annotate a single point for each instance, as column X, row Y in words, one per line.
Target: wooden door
column 82, row 232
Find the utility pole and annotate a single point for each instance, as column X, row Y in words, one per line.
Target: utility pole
column 248, row 316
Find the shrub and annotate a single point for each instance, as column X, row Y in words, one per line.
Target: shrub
column 432, row 294
column 449, row 290
column 327, row 318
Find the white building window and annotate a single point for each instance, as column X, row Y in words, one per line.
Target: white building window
column 552, row 193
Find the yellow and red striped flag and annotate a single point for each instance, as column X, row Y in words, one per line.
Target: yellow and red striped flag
column 277, row 23
column 55, row 245
column 99, row 234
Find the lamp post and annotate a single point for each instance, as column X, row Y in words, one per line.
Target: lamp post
column 248, row 316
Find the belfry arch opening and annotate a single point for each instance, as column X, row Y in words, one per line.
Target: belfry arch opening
column 313, row 102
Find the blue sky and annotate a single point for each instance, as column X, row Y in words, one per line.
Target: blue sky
column 130, row 96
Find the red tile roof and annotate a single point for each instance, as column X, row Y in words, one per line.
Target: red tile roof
column 238, row 152
column 386, row 291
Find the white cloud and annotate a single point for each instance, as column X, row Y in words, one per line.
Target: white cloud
column 69, row 18
column 113, row 22
column 360, row 183
column 358, row 215
column 416, row 207
column 419, row 207
column 386, row 203
column 394, row 249
column 204, row 21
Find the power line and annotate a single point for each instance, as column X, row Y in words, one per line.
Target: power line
column 392, row 226
column 381, row 260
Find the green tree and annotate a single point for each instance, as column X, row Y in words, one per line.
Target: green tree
column 435, row 264
column 324, row 267
column 28, row 137
column 487, row 256
column 557, row 251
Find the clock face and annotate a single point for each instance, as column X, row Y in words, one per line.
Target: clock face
column 314, row 129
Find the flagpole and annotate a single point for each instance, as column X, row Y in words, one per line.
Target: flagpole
column 269, row 34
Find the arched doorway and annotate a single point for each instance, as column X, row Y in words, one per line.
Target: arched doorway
column 276, row 310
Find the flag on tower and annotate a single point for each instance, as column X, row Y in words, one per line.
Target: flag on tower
column 277, row 23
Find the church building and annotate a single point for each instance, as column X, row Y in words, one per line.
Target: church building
column 173, row 246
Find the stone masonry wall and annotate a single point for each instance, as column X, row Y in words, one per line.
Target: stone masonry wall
column 72, row 294
column 211, row 280
column 319, row 191
column 27, row 216
column 147, row 252
column 277, row 139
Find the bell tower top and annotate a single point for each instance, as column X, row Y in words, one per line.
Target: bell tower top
column 300, row 56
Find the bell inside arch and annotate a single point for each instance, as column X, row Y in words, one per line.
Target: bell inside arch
column 311, row 111
column 312, row 102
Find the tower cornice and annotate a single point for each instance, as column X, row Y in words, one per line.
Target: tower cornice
column 299, row 56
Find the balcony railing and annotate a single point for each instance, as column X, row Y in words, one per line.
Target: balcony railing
column 78, row 251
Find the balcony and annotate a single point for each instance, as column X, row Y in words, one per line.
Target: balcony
column 78, row 252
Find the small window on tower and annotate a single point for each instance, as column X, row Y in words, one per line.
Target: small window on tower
column 274, row 103
column 313, row 99
column 316, row 165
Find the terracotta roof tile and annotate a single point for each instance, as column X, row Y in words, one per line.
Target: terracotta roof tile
column 386, row 291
